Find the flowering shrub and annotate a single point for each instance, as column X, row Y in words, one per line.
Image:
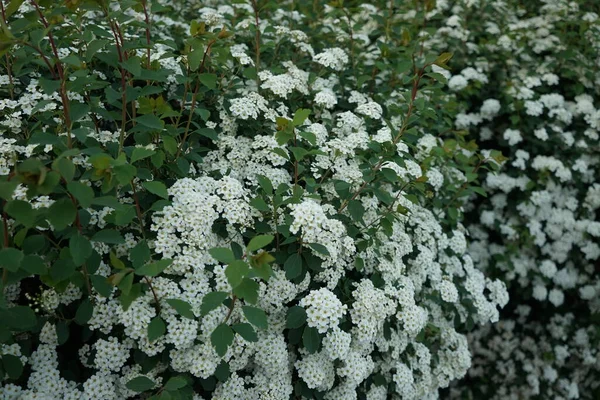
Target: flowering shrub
column 527, row 79
column 210, row 202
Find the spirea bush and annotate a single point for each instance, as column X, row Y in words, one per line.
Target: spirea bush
column 234, row 200
column 526, row 76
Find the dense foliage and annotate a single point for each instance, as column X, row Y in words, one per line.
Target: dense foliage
column 534, row 98
column 276, row 199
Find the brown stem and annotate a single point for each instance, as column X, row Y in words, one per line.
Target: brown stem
column 463, row 186
column 184, row 97
column 233, row 300
column 257, row 42
column 295, row 161
column 389, row 208
column 79, row 229
column 61, row 73
column 144, row 6
column 189, row 121
column 194, row 98
column 122, row 57
column 352, row 61
column 377, row 167
column 44, row 58
column 7, row 57
column 138, row 211
column 6, row 243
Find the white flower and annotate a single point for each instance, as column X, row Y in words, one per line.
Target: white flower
column 334, row 58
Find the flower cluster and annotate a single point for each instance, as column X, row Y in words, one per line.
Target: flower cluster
column 207, row 202
column 538, row 232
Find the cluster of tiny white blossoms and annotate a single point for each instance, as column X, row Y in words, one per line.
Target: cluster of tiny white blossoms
column 539, row 231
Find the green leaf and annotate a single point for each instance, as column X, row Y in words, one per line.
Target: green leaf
column 124, row 216
column 247, row 290
column 222, row 254
column 209, row 133
column 170, row 144
column 10, row 258
column 265, row 183
column 256, row 316
column 19, row 317
column 93, row 47
column 100, row 161
column 175, row 383
column 195, row 57
column 203, row 113
column 300, row 116
column 319, row 248
column 221, row 338
column 62, row 332
column 156, row 187
column 479, row 190
column 150, row 121
column 140, row 254
column 115, row 261
column 109, row 236
column 140, row 384
column 356, row 210
column 298, row 152
column 83, row 193
column 260, row 204
column 208, row 80
column 156, row 328
column 139, row 153
column 236, row 271
column 21, row 211
column 127, row 298
column 84, row 312
column 453, row 213
column 359, row 264
column 211, row 301
column 12, row 365
column 12, row 8
column 246, row 331
column 133, row 65
column 61, row 213
column 7, row 189
column 62, row 269
column 183, row 308
column 311, row 339
column 443, row 59
column 33, row 244
column 126, row 283
column 65, row 167
column 296, row 317
column 258, row 242
column 108, row 201
column 310, row 137
column 34, row 265
column 101, row 284
column 78, row 110
column 124, row 173
column 389, row 174
column 222, row 372
column 153, row 268
column 293, row 266
column 81, row 249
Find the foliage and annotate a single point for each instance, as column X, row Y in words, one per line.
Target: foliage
column 526, row 79
column 247, row 200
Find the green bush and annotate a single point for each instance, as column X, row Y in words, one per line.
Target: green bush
column 246, row 200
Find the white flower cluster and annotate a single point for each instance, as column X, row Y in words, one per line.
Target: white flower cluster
column 539, row 230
